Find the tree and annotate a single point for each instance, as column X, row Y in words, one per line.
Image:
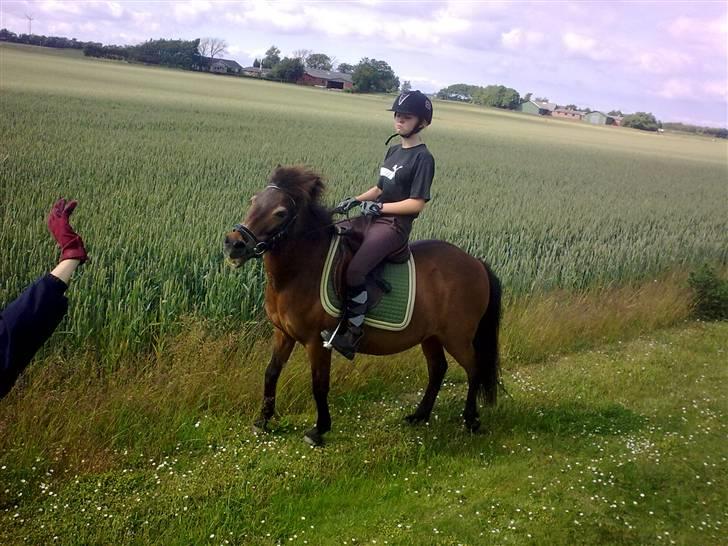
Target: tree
column 288, row 70
column 461, row 92
column 302, row 54
column 406, row 86
column 345, row 68
column 641, row 120
column 256, row 63
column 320, row 61
column 571, row 107
column 177, row 53
column 497, row 96
column 373, row 76
column 211, row 48
column 615, row 113
column 541, row 99
column 272, row 57
column 527, row 97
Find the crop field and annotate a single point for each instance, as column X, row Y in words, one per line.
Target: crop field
column 163, row 162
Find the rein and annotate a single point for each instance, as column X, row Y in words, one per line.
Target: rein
column 256, row 247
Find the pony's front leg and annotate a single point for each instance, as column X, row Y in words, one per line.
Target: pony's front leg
column 282, row 347
column 320, row 359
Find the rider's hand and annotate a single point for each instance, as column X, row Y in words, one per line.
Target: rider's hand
column 70, row 242
column 346, row 205
column 371, row 208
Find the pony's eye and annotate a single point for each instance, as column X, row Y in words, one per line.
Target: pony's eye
column 281, row 213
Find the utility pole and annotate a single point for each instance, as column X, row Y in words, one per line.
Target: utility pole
column 30, row 23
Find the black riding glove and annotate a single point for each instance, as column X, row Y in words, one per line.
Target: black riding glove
column 371, row 208
column 345, row 206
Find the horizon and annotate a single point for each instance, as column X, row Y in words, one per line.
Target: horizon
column 670, row 60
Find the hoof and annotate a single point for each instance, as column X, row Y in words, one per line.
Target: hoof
column 473, row 425
column 415, row 419
column 314, row 437
column 260, row 426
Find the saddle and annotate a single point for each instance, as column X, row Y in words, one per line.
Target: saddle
column 352, row 235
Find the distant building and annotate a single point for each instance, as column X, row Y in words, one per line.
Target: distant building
column 326, row 78
column 225, row 66
column 599, row 118
column 537, row 108
column 255, row 71
column 568, row 113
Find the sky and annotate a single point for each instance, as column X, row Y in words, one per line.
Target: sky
column 668, row 57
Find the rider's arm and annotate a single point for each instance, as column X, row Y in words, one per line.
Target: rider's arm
column 370, row 195
column 404, row 207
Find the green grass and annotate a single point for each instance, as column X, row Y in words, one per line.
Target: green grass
column 623, row 444
column 164, row 161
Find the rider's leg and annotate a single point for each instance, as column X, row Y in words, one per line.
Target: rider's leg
column 382, row 239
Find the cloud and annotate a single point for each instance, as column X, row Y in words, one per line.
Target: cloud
column 711, row 32
column 661, row 61
column 676, row 89
column 717, row 89
column 580, row 45
column 55, row 7
column 191, row 10
column 517, row 38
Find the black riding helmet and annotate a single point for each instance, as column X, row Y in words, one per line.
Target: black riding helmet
column 416, row 104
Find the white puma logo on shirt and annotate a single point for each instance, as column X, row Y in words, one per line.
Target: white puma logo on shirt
column 384, row 171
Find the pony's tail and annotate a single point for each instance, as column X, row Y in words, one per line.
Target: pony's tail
column 486, row 342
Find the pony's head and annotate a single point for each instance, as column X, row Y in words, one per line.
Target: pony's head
column 278, row 210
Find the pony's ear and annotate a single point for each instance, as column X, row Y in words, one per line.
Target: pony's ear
column 316, row 188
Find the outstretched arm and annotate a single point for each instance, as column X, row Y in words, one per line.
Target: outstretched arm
column 27, row 322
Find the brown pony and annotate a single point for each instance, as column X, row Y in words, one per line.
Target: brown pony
column 457, row 305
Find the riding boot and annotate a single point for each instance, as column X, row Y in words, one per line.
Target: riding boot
column 347, row 341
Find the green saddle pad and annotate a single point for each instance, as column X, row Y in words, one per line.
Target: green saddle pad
column 394, row 311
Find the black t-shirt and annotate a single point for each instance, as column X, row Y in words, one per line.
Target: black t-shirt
column 406, row 173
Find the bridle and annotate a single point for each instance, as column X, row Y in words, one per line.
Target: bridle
column 254, row 246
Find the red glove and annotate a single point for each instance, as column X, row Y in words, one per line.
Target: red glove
column 70, row 242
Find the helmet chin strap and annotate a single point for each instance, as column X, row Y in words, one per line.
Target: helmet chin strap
column 411, row 133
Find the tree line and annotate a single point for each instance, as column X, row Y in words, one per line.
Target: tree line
column 500, row 96
column 368, row 76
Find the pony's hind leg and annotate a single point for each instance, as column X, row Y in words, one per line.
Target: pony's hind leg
column 282, row 347
column 464, row 352
column 436, row 367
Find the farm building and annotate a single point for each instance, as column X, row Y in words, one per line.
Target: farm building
column 225, row 66
column 599, row 118
column 538, row 108
column 567, row 113
column 326, row 78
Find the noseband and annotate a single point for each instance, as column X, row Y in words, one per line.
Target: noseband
column 254, row 246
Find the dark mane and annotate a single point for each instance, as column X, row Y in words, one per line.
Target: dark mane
column 306, row 188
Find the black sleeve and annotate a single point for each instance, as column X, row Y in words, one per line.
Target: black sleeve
column 422, row 177
column 26, row 324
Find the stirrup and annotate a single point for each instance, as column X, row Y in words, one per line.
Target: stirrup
column 334, row 341
column 328, row 336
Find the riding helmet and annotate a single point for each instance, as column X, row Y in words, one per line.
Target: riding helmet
column 415, row 103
